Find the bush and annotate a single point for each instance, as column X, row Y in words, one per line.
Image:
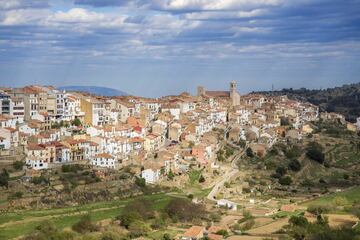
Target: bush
column 18, row 165
column 39, row 180
column 71, row 168
column 201, row 179
column 84, row 225
column 138, row 229
column 140, row 182
column 184, row 210
column 298, row 221
column 281, row 171
column 138, row 210
column 293, row 152
column 171, row 175
column 315, row 152
column 16, row 195
column 249, row 152
column 166, row 236
column 4, row 178
column 223, row 233
column 215, row 217
column 76, row 122
column 319, row 209
column 285, row 180
column 294, row 165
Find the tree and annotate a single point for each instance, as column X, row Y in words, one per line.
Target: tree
column 4, row 178
column 285, row 180
column 318, row 209
column 76, row 122
column 171, row 175
column 298, row 221
column 201, row 179
column 140, row 182
column 281, row 171
column 249, row 152
column 314, row 152
column 184, row 210
column 294, row 165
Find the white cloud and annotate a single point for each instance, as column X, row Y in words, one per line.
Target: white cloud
column 76, row 15
column 212, row 5
column 22, row 17
column 211, row 15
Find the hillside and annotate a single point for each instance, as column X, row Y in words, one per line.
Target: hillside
column 344, row 99
column 102, row 91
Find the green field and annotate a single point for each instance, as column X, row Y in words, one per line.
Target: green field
column 352, row 196
column 25, row 221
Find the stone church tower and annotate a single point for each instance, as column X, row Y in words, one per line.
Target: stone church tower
column 234, row 94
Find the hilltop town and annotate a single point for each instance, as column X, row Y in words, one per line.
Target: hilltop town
column 243, row 157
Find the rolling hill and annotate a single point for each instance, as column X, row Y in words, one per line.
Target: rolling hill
column 101, row 91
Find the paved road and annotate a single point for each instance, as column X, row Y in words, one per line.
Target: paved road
column 226, row 177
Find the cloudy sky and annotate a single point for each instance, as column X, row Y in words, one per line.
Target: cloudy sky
column 160, row 47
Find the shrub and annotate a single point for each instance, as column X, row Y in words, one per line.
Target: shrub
column 84, row 225
column 4, row 178
column 16, row 195
column 293, row 152
column 314, row 152
column 285, row 180
column 140, row 182
column 249, row 152
column 223, row 233
column 129, row 217
column 298, row 221
column 18, row 165
column 216, row 217
column 138, row 229
column 39, row 180
column 76, row 122
column 138, row 210
column 166, row 236
column 71, row 168
column 318, row 209
column 184, row 210
column 294, row 165
column 281, row 171
column 171, row 175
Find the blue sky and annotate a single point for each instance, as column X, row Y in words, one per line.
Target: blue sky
column 161, row 47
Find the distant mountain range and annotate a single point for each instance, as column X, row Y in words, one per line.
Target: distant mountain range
column 344, row 99
column 101, row 91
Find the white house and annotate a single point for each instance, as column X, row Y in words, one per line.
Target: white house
column 151, row 175
column 226, row 203
column 36, row 164
column 104, row 160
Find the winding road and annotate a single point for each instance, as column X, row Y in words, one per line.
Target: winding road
column 226, row 177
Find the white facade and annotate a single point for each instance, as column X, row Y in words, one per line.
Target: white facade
column 37, row 164
column 151, row 176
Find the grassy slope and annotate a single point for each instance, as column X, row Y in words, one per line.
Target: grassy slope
column 23, row 222
column 352, row 195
